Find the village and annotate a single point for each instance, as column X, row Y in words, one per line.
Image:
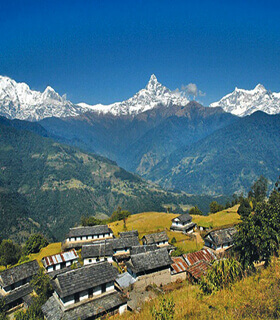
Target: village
column 99, row 272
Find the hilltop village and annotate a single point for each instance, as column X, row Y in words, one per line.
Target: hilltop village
column 100, row 272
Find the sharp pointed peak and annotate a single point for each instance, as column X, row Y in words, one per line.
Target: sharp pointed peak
column 49, row 88
column 260, row 87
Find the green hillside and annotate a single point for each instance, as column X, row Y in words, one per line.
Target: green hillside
column 46, row 186
column 227, row 161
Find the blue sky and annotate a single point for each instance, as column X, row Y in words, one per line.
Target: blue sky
column 105, row 51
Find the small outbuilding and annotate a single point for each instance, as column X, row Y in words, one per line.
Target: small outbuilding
column 204, row 254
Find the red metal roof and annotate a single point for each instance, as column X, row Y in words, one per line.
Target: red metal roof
column 178, row 265
column 199, row 269
column 194, row 257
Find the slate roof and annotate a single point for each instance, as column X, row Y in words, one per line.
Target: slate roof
column 142, row 249
column 185, row 228
column 149, row 260
column 221, row 236
column 199, row 269
column 193, row 257
column 184, row 218
column 84, row 278
column 89, row 231
column 104, row 249
column 60, row 257
column 132, row 233
column 52, row 310
column 179, row 265
column 18, row 273
column 121, row 243
column 124, row 280
column 156, row 237
column 17, row 294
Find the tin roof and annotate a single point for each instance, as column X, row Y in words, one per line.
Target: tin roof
column 193, row 257
column 178, row 265
column 199, row 269
column 59, row 258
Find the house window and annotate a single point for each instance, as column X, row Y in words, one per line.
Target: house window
column 89, row 260
column 97, row 259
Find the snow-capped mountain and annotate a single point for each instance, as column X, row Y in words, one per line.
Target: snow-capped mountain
column 245, row 102
column 18, row 101
column 153, row 95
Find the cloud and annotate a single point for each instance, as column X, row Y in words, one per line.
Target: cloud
column 189, row 90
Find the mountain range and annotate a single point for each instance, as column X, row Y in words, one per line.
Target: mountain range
column 245, row 102
column 158, row 133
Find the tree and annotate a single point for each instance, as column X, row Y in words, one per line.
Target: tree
column 173, row 240
column 166, row 309
column 119, row 215
column 258, row 234
column 245, row 208
column 35, row 243
column 42, row 285
column 91, row 221
column 259, row 189
column 215, row 207
column 34, row 312
column 222, row 274
column 9, row 253
column 195, row 210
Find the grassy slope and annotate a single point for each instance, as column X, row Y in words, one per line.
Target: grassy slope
column 255, row 297
column 149, row 222
column 219, row 219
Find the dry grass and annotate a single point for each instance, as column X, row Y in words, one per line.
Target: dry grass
column 52, row 248
column 219, row 219
column 255, row 297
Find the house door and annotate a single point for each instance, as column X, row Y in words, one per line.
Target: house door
column 76, row 297
column 103, row 288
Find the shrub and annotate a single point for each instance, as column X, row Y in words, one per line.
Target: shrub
column 166, row 309
column 35, row 243
column 222, row 274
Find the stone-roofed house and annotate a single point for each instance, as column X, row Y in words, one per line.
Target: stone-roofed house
column 150, row 267
column 60, row 260
column 194, row 257
column 122, row 246
column 220, row 239
column 14, row 282
column 126, row 234
column 85, row 293
column 79, row 236
column 183, row 223
column 142, row 249
column 96, row 252
column 158, row 238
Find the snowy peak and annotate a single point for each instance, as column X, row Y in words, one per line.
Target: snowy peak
column 18, row 101
column 153, row 95
column 243, row 102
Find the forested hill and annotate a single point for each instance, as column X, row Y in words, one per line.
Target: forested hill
column 227, row 161
column 48, row 186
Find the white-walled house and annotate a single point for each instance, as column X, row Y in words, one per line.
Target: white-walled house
column 85, row 293
column 96, row 252
column 220, row 239
column 183, row 223
column 82, row 235
column 14, row 283
column 60, row 260
column 158, row 238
